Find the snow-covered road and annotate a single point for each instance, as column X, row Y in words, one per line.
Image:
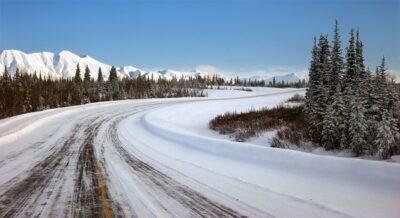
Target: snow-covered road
column 157, row 158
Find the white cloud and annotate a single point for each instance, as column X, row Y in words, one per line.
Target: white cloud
column 208, row 69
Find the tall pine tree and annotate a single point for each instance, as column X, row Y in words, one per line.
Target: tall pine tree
column 350, row 76
column 337, row 61
column 100, row 78
column 322, row 90
column 77, row 77
column 386, row 142
column 311, row 97
column 86, row 77
column 357, row 127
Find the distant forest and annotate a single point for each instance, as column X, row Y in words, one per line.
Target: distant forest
column 27, row 92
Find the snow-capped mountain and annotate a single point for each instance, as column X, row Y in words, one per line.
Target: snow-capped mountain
column 287, row 78
column 64, row 64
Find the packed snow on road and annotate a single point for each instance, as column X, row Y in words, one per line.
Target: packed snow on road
column 157, row 157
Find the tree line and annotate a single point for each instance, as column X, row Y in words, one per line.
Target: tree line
column 274, row 83
column 348, row 106
column 24, row 92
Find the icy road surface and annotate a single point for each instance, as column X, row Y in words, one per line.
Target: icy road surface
column 157, row 158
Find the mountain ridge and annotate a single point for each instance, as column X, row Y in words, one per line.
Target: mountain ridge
column 63, row 64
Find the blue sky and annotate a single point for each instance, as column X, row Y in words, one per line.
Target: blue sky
column 231, row 35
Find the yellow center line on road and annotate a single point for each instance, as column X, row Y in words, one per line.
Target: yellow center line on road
column 103, row 191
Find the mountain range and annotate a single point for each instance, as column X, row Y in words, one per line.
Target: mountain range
column 63, row 64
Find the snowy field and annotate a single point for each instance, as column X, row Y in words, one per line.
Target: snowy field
column 157, row 157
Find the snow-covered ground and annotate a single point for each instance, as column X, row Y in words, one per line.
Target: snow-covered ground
column 157, row 157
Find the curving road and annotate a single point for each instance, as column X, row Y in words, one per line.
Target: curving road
column 53, row 163
column 103, row 160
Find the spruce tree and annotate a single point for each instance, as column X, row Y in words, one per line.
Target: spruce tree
column 329, row 129
column 322, row 89
column 86, row 78
column 386, row 139
column 357, row 127
column 311, row 93
column 371, row 109
column 77, row 78
column 382, row 86
column 363, row 77
column 349, row 88
column 100, row 78
column 359, row 48
column 324, row 64
column 8, row 93
column 113, row 75
column 337, row 61
column 113, row 80
column 350, row 76
column 334, row 128
column 18, row 91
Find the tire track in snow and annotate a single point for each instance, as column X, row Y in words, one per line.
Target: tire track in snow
column 21, row 195
column 38, row 191
column 45, row 183
column 198, row 204
column 91, row 198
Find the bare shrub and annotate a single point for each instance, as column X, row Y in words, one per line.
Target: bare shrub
column 296, row 98
column 291, row 134
column 277, row 143
column 242, row 126
column 244, row 89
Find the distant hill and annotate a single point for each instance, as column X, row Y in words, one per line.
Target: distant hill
column 63, row 64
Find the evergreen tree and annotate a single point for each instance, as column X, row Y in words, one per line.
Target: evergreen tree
column 372, row 112
column 350, row 77
column 324, row 64
column 100, row 78
column 337, row 61
column 113, row 75
column 77, row 78
column 370, row 89
column 329, row 129
column 312, row 91
column 349, row 88
column 113, row 80
column 357, row 127
column 386, row 139
column 382, row 86
column 360, row 57
column 8, row 93
column 363, row 76
column 18, row 91
column 333, row 129
column 323, row 69
column 86, row 79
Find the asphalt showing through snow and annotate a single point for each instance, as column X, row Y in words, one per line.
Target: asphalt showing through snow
column 41, row 190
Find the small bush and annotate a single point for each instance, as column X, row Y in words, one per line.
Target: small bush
column 296, row 98
column 291, row 133
column 245, row 89
column 277, row 143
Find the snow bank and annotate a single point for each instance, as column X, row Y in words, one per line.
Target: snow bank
column 345, row 186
